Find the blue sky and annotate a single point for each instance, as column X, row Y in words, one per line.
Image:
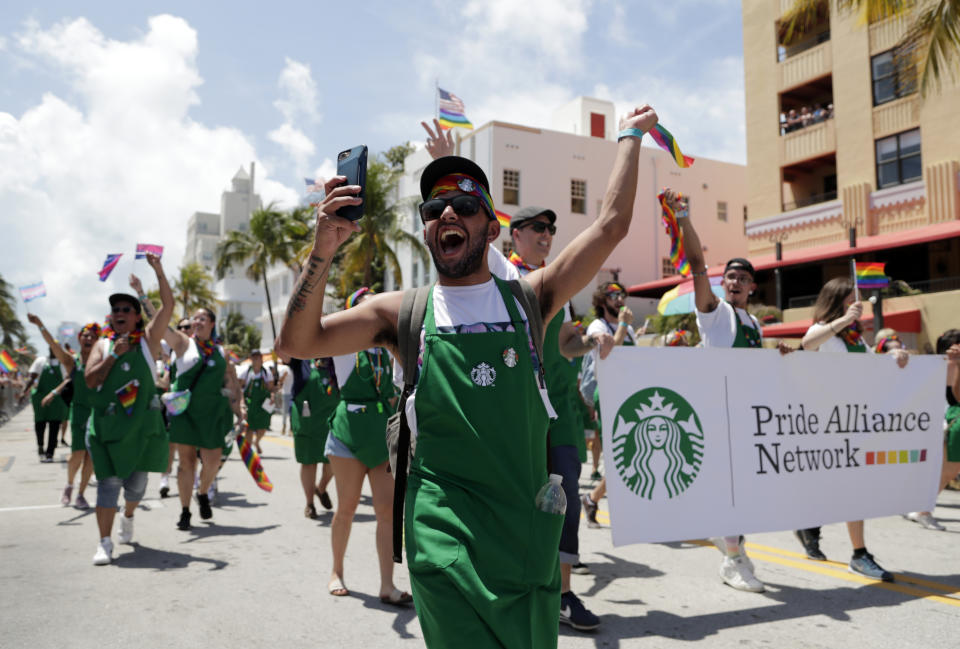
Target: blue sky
column 121, row 119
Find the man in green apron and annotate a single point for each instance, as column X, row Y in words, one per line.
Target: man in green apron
column 46, row 375
column 258, row 386
column 483, row 559
column 127, row 437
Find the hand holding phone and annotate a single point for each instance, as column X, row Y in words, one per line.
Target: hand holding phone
column 352, row 163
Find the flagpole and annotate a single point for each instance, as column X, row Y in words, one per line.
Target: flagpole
column 853, row 271
column 436, row 98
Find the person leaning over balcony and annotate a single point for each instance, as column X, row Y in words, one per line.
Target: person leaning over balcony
column 836, row 328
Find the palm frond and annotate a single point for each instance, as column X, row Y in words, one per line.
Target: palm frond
column 935, row 37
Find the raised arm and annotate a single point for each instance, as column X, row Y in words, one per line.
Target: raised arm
column 157, row 326
column 59, row 352
column 703, row 296
column 145, row 302
column 820, row 333
column 578, row 263
column 306, row 333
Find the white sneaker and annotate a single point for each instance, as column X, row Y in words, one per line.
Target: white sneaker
column 721, row 544
column 926, row 520
column 737, row 574
column 104, row 553
column 126, row 529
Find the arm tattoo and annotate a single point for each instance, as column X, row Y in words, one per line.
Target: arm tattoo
column 312, row 275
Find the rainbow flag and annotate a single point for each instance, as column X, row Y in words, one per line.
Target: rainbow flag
column 677, row 255
column 144, row 248
column 128, row 395
column 252, row 460
column 503, row 218
column 6, row 362
column 233, row 356
column 33, row 291
column 870, row 274
column 108, row 266
column 665, row 141
column 450, row 111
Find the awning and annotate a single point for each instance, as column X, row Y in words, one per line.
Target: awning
column 908, row 321
column 912, row 237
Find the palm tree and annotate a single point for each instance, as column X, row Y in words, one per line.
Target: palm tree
column 274, row 238
column 369, row 251
column 240, row 334
column 10, row 325
column 933, row 36
column 194, row 288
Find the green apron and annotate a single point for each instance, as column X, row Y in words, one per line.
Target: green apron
column 310, row 412
column 201, row 424
column 483, row 559
column 80, row 407
column 50, row 377
column 122, row 443
column 561, row 376
column 360, row 418
column 859, row 348
column 747, row 336
column 255, row 392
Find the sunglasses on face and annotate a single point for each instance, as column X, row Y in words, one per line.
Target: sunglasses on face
column 122, row 309
column 463, row 205
column 617, row 295
column 539, row 227
column 739, row 279
column 185, row 327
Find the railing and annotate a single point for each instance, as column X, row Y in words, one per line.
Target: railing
column 815, row 61
column 813, row 141
column 897, row 288
column 810, row 200
column 786, row 53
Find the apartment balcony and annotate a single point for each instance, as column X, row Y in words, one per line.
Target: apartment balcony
column 808, row 64
column 795, row 217
column 813, row 141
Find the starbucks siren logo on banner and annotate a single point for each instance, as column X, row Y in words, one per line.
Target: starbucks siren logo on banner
column 657, row 444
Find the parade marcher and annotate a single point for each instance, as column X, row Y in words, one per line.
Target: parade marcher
column 483, row 558
column 315, row 395
column 184, row 326
column 836, row 328
column 258, row 384
column 724, row 323
column 357, row 448
column 284, row 377
column 203, row 369
column 126, row 438
column 47, row 373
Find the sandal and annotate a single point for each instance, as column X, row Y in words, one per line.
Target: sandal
column 310, row 511
column 397, row 598
column 337, row 589
column 324, row 498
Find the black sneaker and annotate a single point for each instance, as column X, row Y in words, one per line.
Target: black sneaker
column 184, row 522
column 580, row 568
column 867, row 566
column 811, row 544
column 575, row 614
column 206, row 512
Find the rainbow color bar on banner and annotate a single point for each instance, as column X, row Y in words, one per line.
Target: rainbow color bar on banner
column 108, row 266
column 252, row 461
column 909, row 456
column 7, row 363
column 127, row 395
column 871, row 274
column 665, row 141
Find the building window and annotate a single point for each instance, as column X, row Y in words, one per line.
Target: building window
column 894, row 76
column 898, row 159
column 668, row 268
column 202, row 226
column 598, row 125
column 722, row 211
column 511, row 186
column 578, row 196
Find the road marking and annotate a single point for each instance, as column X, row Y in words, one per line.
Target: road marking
column 282, row 441
column 146, row 503
column 20, row 509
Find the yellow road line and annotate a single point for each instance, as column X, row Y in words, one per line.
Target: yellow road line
column 282, row 441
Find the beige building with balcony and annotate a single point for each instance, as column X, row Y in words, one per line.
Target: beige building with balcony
column 845, row 158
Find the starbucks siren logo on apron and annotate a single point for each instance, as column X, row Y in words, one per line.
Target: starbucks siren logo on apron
column 483, row 375
column 657, row 444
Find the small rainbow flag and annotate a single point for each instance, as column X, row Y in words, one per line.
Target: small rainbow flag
column 6, row 362
column 233, row 356
column 252, row 460
column 144, row 248
column 450, row 109
column 678, row 256
column 870, row 274
column 128, row 395
column 665, row 141
column 503, row 218
column 108, row 266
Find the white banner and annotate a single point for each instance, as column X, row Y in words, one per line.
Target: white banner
column 717, row 442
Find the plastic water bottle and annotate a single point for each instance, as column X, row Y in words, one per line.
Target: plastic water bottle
column 551, row 498
column 305, row 410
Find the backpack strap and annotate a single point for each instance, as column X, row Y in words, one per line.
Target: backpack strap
column 413, row 309
column 527, row 298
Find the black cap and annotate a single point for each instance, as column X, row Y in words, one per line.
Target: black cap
column 447, row 165
column 529, row 213
column 740, row 262
column 125, row 297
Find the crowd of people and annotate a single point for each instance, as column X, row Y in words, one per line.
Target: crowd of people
column 794, row 120
column 490, row 411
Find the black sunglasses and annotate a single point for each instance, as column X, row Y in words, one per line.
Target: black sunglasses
column 539, row 227
column 184, row 327
column 463, row 205
column 123, row 309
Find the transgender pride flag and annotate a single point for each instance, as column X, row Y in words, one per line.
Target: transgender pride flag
column 33, row 291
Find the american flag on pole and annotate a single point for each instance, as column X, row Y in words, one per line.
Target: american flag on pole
column 33, row 291
column 315, row 191
column 144, row 248
column 450, row 109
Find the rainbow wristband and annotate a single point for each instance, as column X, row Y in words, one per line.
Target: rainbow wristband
column 630, row 132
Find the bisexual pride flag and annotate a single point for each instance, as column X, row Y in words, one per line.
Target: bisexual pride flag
column 871, row 274
column 109, row 265
column 450, row 110
column 33, row 291
column 144, row 248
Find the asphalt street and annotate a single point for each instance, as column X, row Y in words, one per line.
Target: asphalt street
column 256, row 575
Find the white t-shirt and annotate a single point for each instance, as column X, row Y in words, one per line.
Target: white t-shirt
column 602, row 326
column 504, row 269
column 286, row 380
column 718, row 328
column 191, row 356
column 832, row 344
column 104, row 344
column 345, row 364
column 43, row 361
column 247, row 374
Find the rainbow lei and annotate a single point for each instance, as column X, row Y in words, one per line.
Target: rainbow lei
column 883, row 341
column 467, row 185
column 678, row 256
column 252, row 461
column 518, row 261
column 133, row 337
column 678, row 338
column 851, row 335
column 206, row 346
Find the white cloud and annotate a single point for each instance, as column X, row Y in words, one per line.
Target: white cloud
column 326, row 170
column 125, row 164
column 299, row 105
column 294, row 142
column 617, row 30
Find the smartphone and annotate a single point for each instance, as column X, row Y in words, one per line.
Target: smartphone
column 352, row 163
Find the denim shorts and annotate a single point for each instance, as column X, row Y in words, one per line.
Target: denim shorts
column 337, row 448
column 134, row 486
column 565, row 461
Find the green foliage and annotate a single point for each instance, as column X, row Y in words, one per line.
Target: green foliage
column 193, row 289
column 240, row 335
column 761, row 311
column 395, row 155
column 11, row 328
column 662, row 324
